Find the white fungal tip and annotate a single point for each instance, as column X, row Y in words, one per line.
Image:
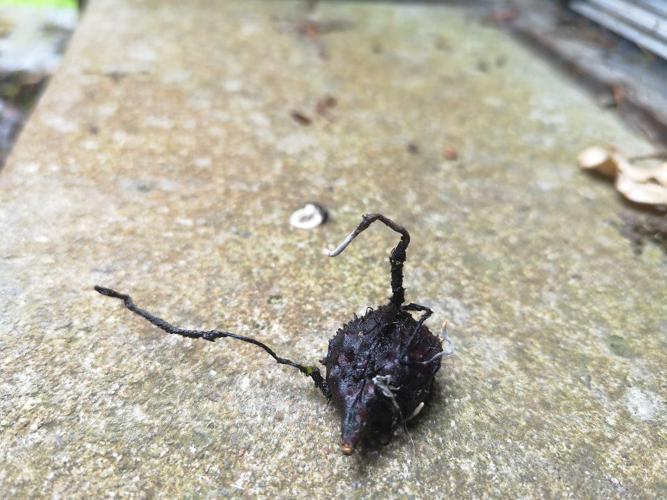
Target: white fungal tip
column 416, row 412
column 339, row 249
column 450, row 350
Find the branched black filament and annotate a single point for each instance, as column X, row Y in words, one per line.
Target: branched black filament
column 212, row 335
column 396, row 259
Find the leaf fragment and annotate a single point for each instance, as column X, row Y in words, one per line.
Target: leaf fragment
column 646, row 185
column 598, row 159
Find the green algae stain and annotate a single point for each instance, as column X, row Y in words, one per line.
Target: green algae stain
column 620, row 347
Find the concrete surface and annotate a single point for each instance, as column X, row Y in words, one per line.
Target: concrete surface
column 163, row 161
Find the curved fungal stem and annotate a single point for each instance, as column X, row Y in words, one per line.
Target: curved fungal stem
column 212, row 335
column 424, row 317
column 418, row 307
column 396, row 259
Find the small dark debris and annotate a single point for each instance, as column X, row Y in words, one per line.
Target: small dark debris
column 441, row 43
column 450, row 154
column 300, row 118
column 482, row 66
column 145, row 186
column 618, row 94
column 308, row 28
column 94, row 129
column 311, row 5
column 325, row 104
column 116, row 76
column 641, row 228
column 412, row 148
column 274, row 298
column 313, row 29
column 620, row 346
column 64, row 326
column 612, row 97
column 503, row 15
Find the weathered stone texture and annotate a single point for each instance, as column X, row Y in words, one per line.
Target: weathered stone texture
column 163, row 161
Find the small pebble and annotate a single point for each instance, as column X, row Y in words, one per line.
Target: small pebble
column 450, row 154
column 309, row 216
column 300, row 118
column 326, row 103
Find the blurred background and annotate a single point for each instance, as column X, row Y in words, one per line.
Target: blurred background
column 33, row 37
column 616, row 48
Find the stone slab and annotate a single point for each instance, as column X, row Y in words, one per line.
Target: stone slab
column 163, row 161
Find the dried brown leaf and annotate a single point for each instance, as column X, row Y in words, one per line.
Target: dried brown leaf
column 646, row 192
column 598, row 159
column 646, row 185
column 656, row 174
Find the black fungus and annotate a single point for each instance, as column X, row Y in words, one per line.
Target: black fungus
column 380, row 367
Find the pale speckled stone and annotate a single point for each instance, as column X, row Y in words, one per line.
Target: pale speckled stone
column 174, row 180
